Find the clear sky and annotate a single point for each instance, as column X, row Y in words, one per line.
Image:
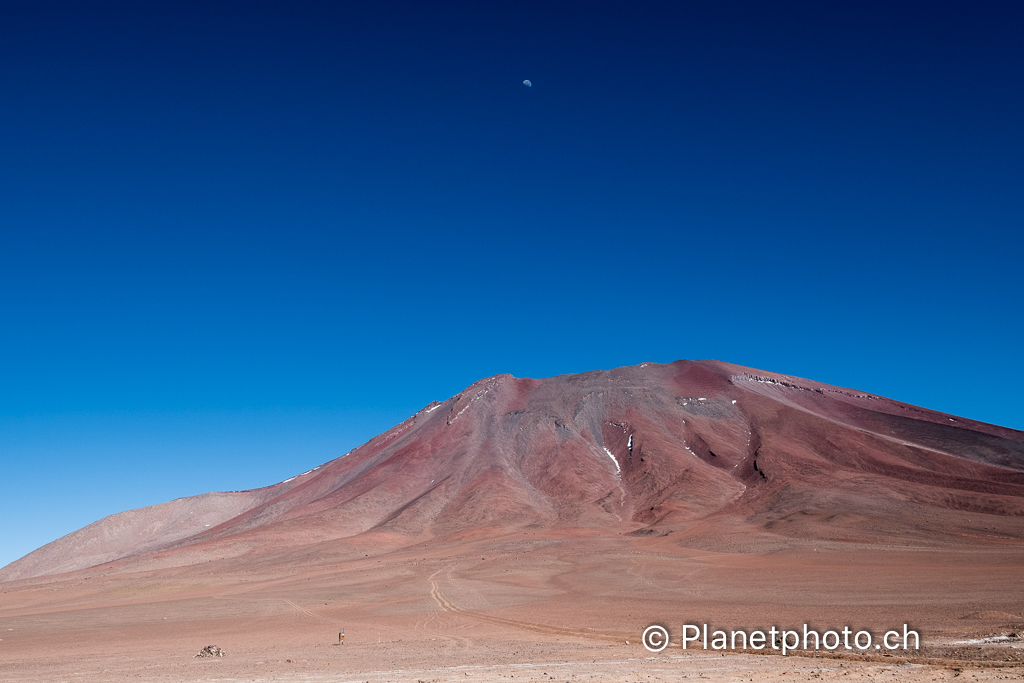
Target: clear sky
column 238, row 239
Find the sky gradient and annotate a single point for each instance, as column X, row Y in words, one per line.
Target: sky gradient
column 239, row 239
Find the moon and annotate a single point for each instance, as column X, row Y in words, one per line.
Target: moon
column 527, row 83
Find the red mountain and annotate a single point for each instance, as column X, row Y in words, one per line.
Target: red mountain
column 717, row 454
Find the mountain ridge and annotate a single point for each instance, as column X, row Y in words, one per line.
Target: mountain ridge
column 652, row 449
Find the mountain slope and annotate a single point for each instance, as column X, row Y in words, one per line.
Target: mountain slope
column 704, row 450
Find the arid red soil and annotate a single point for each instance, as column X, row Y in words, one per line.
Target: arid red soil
column 530, row 528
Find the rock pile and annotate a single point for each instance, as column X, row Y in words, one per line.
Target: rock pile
column 211, row 651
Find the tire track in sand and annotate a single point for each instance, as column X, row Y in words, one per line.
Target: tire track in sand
column 308, row 613
column 448, row 606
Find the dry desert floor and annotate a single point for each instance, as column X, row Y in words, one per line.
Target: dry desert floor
column 524, row 606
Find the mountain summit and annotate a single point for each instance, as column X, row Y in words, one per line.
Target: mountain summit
column 715, row 455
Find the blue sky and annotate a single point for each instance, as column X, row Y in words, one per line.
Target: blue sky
column 239, row 239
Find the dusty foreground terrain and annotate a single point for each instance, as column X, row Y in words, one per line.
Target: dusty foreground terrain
column 525, row 605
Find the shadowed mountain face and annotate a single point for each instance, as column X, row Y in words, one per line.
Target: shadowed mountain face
column 715, row 454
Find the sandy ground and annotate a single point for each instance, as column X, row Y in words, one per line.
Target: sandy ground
column 527, row 607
